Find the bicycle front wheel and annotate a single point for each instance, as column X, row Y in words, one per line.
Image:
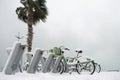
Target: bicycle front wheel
column 86, row 68
column 60, row 68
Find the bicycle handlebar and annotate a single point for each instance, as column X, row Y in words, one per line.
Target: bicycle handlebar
column 63, row 48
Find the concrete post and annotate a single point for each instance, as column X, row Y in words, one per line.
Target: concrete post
column 57, row 62
column 12, row 63
column 35, row 60
column 47, row 63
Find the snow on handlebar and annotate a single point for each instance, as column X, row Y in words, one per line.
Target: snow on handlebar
column 66, row 49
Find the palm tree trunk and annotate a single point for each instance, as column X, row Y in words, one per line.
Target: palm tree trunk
column 30, row 30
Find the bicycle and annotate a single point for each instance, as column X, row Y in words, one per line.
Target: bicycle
column 26, row 65
column 96, row 65
column 87, row 66
column 65, row 65
column 58, row 52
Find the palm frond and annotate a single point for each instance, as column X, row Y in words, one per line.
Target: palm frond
column 22, row 14
column 40, row 10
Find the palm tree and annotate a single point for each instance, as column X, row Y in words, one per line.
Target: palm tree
column 32, row 12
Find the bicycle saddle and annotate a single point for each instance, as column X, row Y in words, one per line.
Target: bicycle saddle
column 79, row 51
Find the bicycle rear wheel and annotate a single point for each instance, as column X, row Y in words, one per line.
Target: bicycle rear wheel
column 97, row 68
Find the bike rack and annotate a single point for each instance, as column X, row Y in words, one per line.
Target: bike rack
column 13, row 62
column 35, row 60
column 47, row 63
column 56, row 64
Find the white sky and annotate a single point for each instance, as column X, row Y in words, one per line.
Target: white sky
column 90, row 25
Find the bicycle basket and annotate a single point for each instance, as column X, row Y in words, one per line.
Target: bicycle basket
column 56, row 51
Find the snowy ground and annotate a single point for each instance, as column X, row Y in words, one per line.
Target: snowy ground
column 51, row 76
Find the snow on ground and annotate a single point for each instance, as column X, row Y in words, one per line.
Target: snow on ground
column 66, row 76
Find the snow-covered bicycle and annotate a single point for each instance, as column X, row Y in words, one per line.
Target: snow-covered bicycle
column 73, row 64
column 87, row 66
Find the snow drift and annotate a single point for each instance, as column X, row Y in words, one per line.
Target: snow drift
column 65, row 76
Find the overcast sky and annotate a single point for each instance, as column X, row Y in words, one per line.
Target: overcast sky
column 90, row 25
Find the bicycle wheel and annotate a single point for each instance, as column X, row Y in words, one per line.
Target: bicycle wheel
column 78, row 68
column 97, row 68
column 90, row 67
column 86, row 68
column 60, row 68
column 26, row 65
column 39, row 67
column 51, row 65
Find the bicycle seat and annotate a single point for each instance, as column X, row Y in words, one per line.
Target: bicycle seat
column 79, row 51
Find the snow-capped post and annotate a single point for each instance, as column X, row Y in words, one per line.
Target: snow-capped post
column 20, row 63
column 12, row 64
column 47, row 63
column 57, row 62
column 35, row 60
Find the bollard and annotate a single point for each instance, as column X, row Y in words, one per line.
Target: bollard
column 47, row 63
column 57, row 62
column 13, row 60
column 35, row 60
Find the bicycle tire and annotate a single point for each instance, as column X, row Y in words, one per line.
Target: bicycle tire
column 80, row 70
column 77, row 68
column 98, row 67
column 93, row 67
column 60, row 68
